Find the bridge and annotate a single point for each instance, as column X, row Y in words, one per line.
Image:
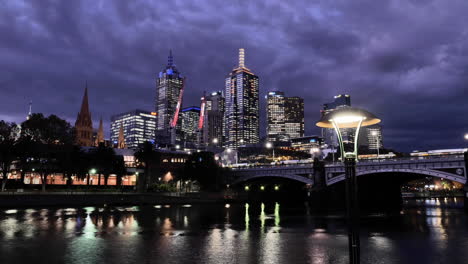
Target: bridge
column 450, row 167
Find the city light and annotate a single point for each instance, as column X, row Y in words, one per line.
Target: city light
column 269, row 145
column 276, row 187
column 228, row 150
column 466, row 136
column 374, row 133
column 262, row 188
column 215, row 141
column 246, row 188
column 92, row 171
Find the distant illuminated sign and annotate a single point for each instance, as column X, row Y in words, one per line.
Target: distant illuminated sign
column 154, row 113
column 313, row 140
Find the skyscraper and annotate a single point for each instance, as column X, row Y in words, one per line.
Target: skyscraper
column 84, row 124
column 169, row 91
column 285, row 117
column 275, row 117
column 189, row 125
column 213, row 124
column 294, row 117
column 328, row 134
column 371, row 137
column 242, row 107
column 138, row 126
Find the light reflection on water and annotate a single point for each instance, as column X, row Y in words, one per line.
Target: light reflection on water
column 426, row 231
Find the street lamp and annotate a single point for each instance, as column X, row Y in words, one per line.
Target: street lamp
column 92, row 171
column 375, row 134
column 269, row 145
column 350, row 117
column 466, row 136
column 215, row 141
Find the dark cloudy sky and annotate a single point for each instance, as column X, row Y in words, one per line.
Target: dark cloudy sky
column 406, row 61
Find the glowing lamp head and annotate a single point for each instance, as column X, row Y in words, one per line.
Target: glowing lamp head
column 466, row 136
column 348, row 117
column 269, row 145
column 215, row 140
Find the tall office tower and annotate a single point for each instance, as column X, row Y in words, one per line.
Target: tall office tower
column 84, row 124
column 241, row 116
column 213, row 124
column 285, row 117
column 371, row 137
column 138, row 126
column 189, row 120
column 275, row 117
column 169, row 91
column 328, row 134
column 294, row 117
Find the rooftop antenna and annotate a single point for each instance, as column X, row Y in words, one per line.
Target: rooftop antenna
column 241, row 58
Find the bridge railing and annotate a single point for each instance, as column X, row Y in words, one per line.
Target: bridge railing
column 361, row 161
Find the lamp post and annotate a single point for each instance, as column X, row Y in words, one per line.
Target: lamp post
column 269, row 145
column 350, row 117
column 375, row 134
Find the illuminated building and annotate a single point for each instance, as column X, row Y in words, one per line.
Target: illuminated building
column 306, row 144
column 84, row 124
column 371, row 137
column 138, row 126
column 189, row 124
column 169, row 90
column 341, row 100
column 213, row 127
column 285, row 117
column 241, row 117
column 100, row 134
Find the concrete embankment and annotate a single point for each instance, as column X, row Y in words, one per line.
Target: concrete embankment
column 15, row 200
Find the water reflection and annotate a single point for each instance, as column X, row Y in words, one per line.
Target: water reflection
column 434, row 230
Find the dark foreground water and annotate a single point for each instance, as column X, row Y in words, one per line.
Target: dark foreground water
column 426, row 231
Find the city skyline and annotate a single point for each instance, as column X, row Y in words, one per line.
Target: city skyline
column 404, row 80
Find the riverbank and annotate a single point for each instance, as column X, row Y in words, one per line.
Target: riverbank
column 29, row 199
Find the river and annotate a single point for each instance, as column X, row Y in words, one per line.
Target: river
column 426, row 231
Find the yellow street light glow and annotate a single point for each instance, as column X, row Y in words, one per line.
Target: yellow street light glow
column 262, row 188
column 246, row 188
column 276, row 187
column 466, row 136
column 346, row 119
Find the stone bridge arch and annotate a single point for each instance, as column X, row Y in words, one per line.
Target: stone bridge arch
column 424, row 172
column 267, row 175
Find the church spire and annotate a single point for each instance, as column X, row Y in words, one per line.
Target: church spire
column 100, row 134
column 121, row 140
column 84, row 124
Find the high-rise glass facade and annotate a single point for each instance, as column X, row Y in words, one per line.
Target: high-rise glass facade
column 189, row 124
column 213, row 125
column 328, row 134
column 285, row 117
column 242, row 106
column 169, row 85
column 138, row 126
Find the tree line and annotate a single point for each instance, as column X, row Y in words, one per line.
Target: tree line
column 46, row 145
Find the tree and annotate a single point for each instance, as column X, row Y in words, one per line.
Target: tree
column 119, row 169
column 47, row 136
column 103, row 159
column 8, row 136
column 149, row 159
column 202, row 167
